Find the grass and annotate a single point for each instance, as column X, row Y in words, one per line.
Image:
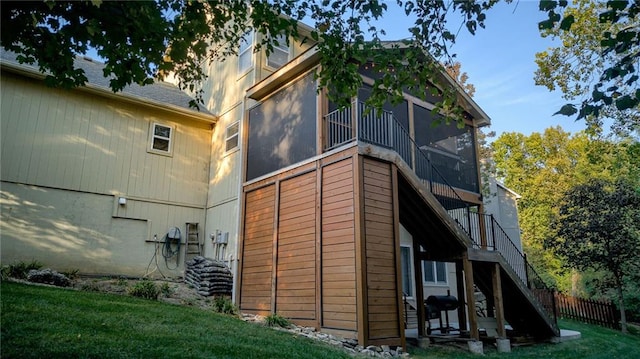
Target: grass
column 41, row 322
column 596, row 343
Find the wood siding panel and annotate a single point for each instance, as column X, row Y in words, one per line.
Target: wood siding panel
column 338, row 247
column 382, row 302
column 257, row 263
column 296, row 268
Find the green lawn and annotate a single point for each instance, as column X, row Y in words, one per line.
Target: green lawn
column 39, row 322
column 596, row 342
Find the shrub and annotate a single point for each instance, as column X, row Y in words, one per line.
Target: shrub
column 122, row 282
column 91, row 286
column 20, row 270
column 276, row 319
column 145, row 289
column 224, row 305
column 166, row 290
column 72, row 273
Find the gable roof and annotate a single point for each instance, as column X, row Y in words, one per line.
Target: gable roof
column 507, row 189
column 159, row 94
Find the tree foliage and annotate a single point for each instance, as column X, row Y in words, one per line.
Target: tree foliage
column 597, row 63
column 542, row 166
column 539, row 167
column 598, row 227
column 141, row 40
column 455, row 71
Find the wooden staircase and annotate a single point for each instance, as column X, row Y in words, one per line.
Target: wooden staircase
column 523, row 309
column 410, row 316
column 528, row 306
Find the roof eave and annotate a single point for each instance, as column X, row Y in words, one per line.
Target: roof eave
column 292, row 69
column 28, row 71
column 481, row 117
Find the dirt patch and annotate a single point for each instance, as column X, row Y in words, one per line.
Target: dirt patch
column 174, row 291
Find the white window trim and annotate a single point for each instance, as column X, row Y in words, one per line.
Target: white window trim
column 282, row 46
column 152, row 136
column 249, row 38
column 227, row 137
column 436, row 283
column 411, row 273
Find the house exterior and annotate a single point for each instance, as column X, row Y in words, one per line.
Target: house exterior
column 93, row 180
column 502, row 203
column 335, row 203
column 340, row 219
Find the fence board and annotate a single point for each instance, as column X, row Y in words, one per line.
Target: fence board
column 601, row 313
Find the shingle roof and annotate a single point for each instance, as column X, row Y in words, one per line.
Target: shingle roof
column 159, row 92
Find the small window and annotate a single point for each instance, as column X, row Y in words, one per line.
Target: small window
column 161, row 138
column 435, row 272
column 245, row 53
column 231, row 137
column 280, row 54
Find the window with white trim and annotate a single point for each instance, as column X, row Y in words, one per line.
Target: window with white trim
column 434, row 272
column 245, row 53
column 280, row 54
column 161, row 138
column 406, row 263
column 231, row 136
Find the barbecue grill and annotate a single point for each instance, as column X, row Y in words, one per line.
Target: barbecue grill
column 435, row 305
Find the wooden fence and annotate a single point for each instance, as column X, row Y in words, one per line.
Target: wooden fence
column 602, row 313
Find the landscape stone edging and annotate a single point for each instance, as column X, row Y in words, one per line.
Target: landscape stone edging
column 349, row 345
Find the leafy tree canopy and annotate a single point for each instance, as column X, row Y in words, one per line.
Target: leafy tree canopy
column 597, row 62
column 142, row 39
column 542, row 166
column 598, row 227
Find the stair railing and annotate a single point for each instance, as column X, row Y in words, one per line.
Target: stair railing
column 381, row 128
column 518, row 261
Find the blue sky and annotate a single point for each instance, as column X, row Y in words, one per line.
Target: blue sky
column 500, row 63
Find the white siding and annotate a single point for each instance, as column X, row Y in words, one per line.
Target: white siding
column 224, row 186
column 225, row 87
column 68, row 230
column 407, row 239
column 66, row 158
column 68, row 140
column 503, row 204
column 224, row 170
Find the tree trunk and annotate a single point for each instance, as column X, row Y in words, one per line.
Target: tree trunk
column 623, row 316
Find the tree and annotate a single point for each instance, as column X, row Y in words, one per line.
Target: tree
column 140, row 40
column 455, row 71
column 597, row 63
column 542, row 166
column 598, row 227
